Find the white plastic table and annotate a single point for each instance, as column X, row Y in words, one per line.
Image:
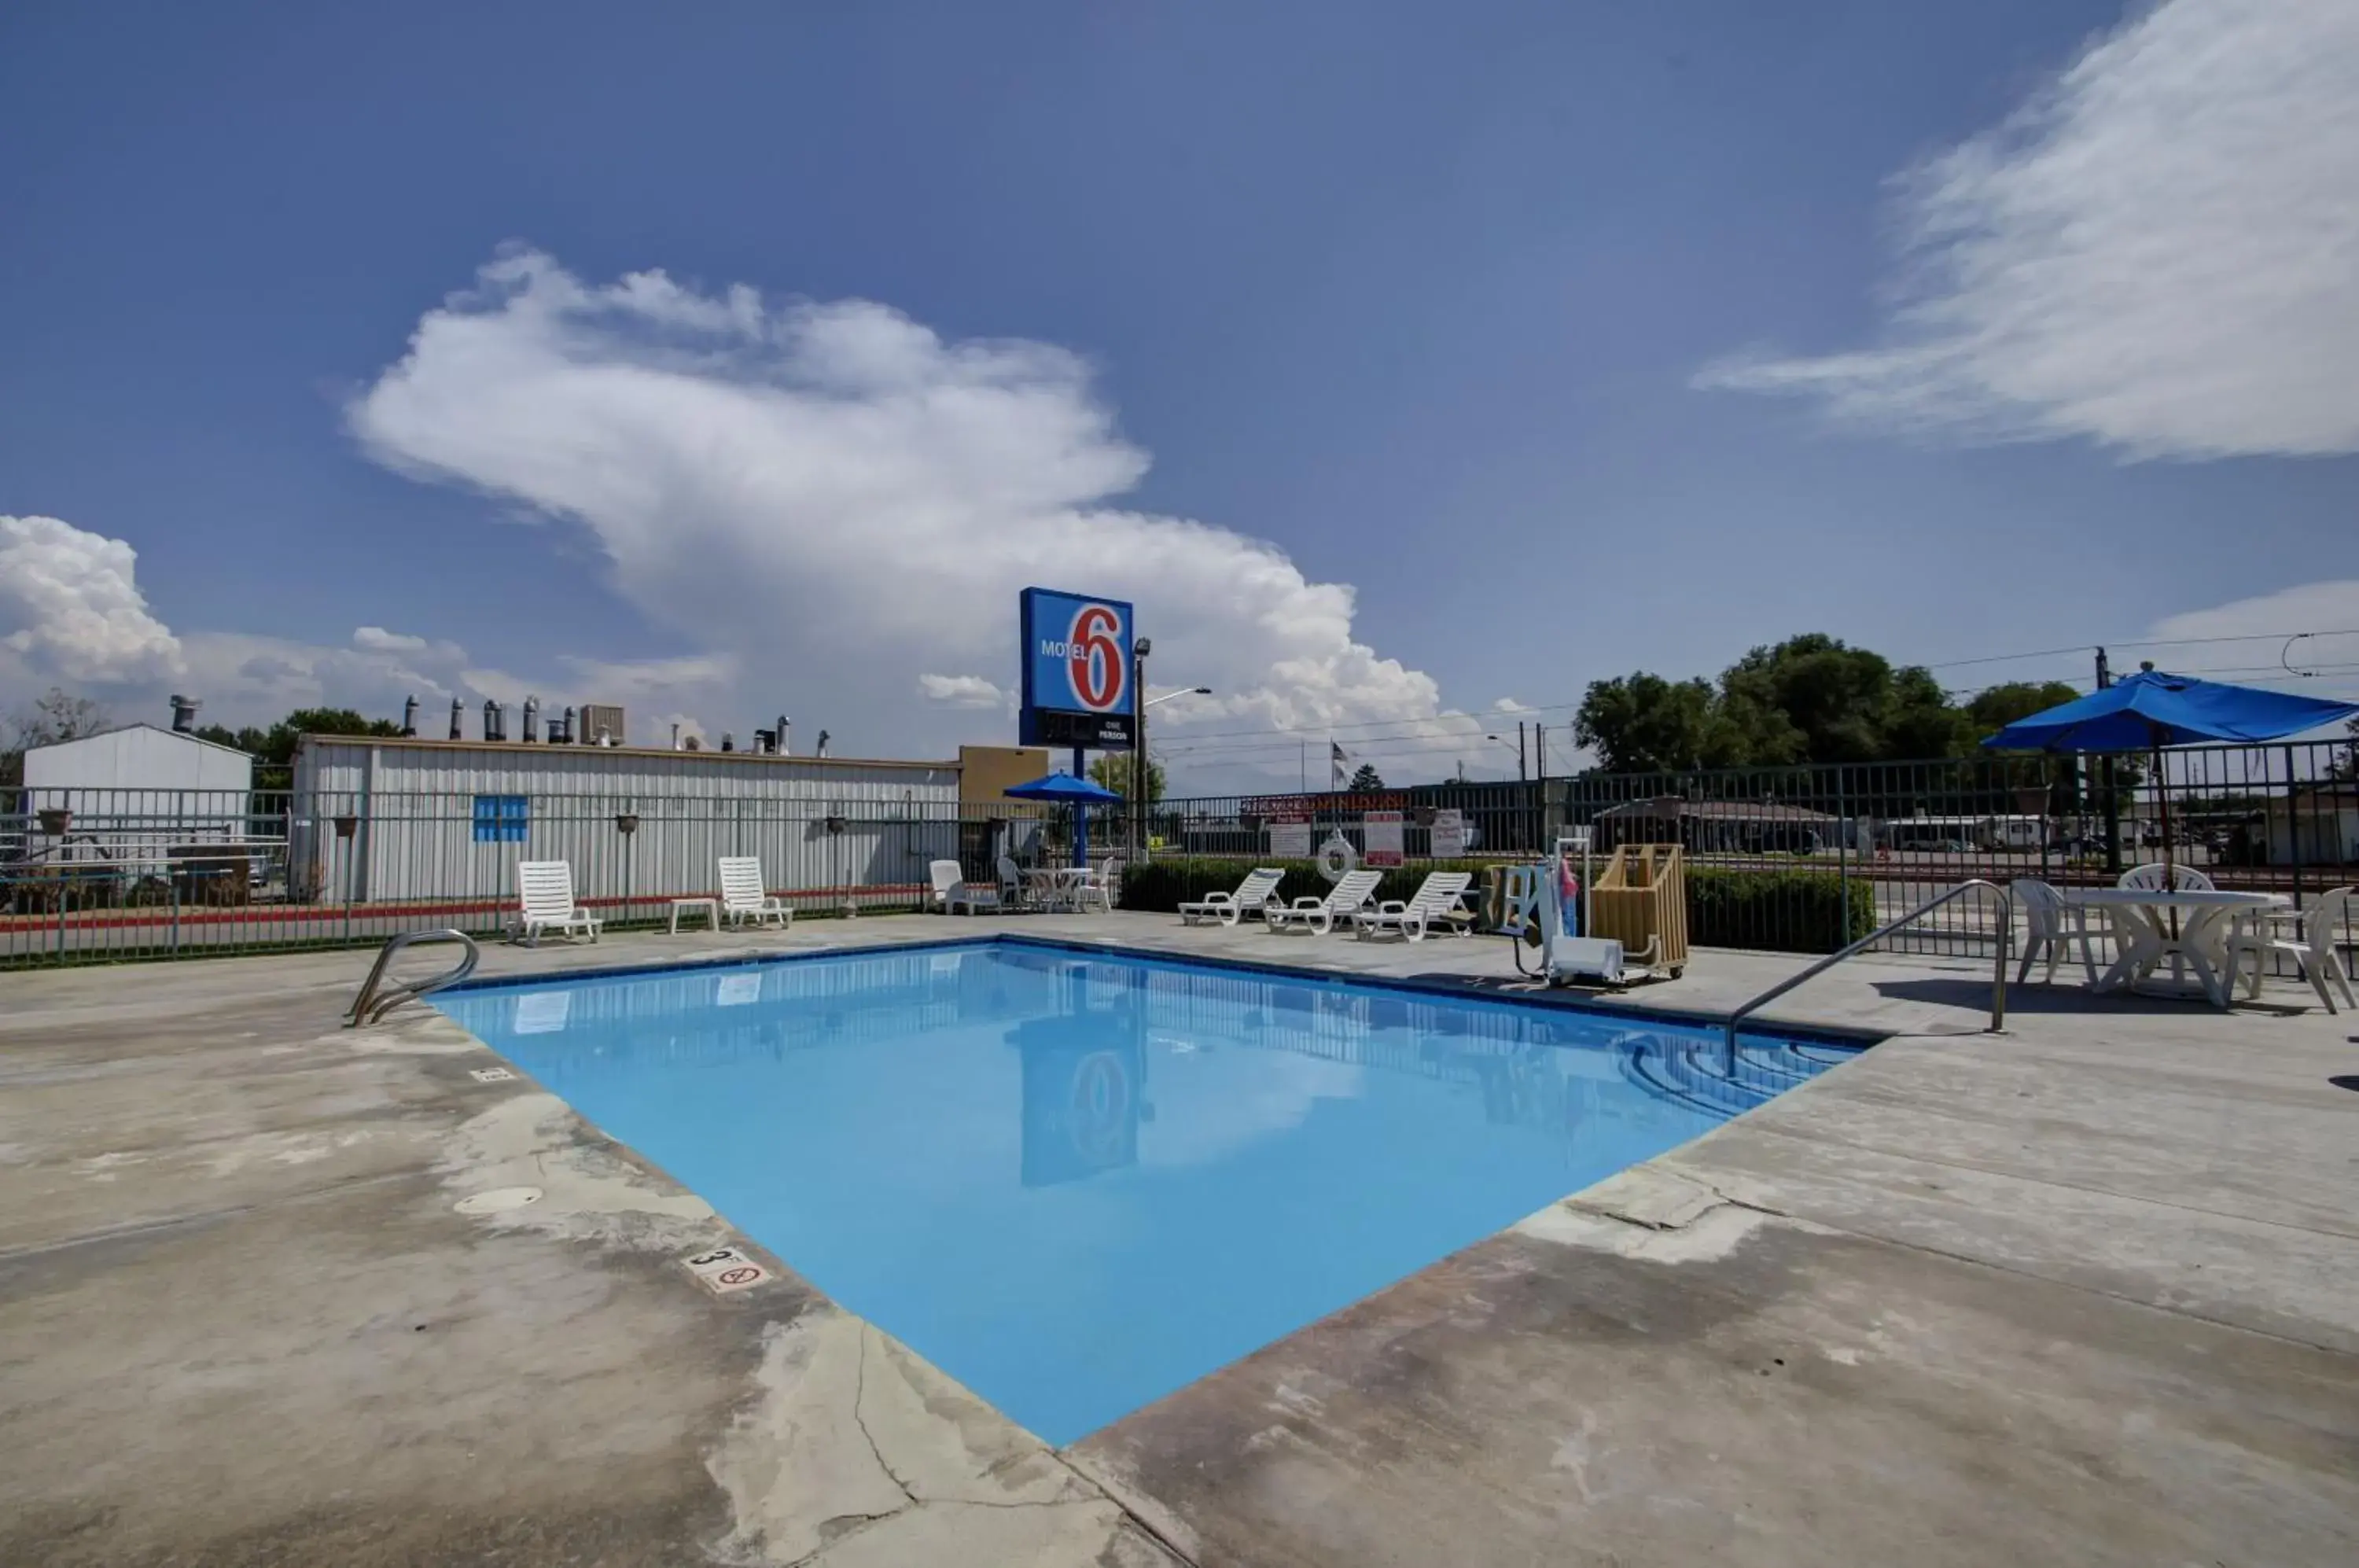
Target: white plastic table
column 2152, row 928
column 1056, row 885
column 709, row 906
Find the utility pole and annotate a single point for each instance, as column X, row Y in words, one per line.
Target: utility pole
column 1539, row 748
column 1521, row 776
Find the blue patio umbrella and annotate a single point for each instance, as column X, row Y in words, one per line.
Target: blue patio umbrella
column 1077, row 793
column 2152, row 710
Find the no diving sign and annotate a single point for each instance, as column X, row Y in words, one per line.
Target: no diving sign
column 724, row 1269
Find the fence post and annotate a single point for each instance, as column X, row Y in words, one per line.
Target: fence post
column 2293, row 825
column 1842, row 854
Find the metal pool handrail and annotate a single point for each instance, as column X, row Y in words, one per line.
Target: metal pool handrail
column 1999, row 966
column 369, row 1006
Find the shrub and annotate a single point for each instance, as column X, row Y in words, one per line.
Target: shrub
column 1778, row 911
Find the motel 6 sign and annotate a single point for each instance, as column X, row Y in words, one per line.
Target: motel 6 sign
column 1077, row 671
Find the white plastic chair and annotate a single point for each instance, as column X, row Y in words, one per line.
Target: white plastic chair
column 544, row 891
column 1318, row 916
column 2307, row 937
column 1410, row 918
column 2150, row 879
column 1013, row 894
column 2056, row 926
column 1252, row 897
column 743, row 897
column 950, row 891
column 1102, row 885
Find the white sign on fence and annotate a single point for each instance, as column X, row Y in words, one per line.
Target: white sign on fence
column 1289, row 838
column 1381, row 833
column 1449, row 834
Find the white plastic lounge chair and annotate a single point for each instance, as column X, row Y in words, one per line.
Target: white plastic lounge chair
column 545, row 890
column 2148, row 879
column 743, row 897
column 1412, row 916
column 951, row 892
column 1318, row 916
column 2307, row 937
column 2056, row 927
column 1252, row 897
column 1013, row 893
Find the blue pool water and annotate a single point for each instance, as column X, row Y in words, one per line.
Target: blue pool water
column 1076, row 1182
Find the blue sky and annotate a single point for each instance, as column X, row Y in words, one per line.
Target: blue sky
column 1569, row 338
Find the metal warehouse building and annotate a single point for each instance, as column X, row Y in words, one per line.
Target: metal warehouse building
column 379, row 819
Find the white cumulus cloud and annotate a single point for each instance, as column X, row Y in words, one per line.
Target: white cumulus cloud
column 961, row 691
column 847, row 502
column 71, row 605
column 2160, row 252
column 72, row 613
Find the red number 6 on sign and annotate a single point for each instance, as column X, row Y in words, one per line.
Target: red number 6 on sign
column 1094, row 658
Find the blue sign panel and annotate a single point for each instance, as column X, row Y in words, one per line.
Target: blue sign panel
column 1077, row 671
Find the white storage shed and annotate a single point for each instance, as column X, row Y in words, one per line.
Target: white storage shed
column 134, row 798
column 386, row 820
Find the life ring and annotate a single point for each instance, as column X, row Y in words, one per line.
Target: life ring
column 1337, row 858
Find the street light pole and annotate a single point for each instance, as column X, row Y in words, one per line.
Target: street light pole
column 1142, row 768
column 1139, row 705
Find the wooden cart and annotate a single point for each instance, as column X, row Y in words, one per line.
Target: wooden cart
column 1641, row 902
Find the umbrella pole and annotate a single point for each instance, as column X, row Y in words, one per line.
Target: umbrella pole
column 2162, row 799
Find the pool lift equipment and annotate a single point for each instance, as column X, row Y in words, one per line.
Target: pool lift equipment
column 1550, row 906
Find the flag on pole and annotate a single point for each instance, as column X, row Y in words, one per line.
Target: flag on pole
column 1336, row 758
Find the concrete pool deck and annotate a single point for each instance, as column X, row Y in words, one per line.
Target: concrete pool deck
column 2087, row 1291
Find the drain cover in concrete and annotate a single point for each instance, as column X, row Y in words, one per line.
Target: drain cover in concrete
column 723, row 1269
column 491, row 1075
column 499, row 1200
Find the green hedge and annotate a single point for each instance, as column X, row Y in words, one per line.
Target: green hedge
column 1777, row 912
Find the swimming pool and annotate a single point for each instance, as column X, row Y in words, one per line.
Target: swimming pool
column 1075, row 1180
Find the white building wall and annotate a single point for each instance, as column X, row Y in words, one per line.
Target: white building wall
column 137, row 756
column 412, row 820
column 2328, row 835
column 132, row 796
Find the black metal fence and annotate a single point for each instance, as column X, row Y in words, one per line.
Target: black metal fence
column 1787, row 859
column 91, row 875
column 1771, row 850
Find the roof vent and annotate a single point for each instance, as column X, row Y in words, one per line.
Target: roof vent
column 184, row 713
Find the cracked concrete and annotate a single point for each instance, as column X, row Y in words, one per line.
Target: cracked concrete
column 242, row 1322
column 852, row 1433
column 2087, row 1292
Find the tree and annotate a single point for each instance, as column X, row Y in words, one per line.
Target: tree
column 1994, row 708
column 1824, row 701
column 1113, row 769
column 273, row 749
column 1812, row 699
column 1643, row 724
column 56, row 715
column 1367, row 778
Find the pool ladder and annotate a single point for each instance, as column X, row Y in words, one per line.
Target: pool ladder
column 372, row 1004
column 1998, row 964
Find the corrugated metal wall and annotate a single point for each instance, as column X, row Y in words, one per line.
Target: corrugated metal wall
column 633, row 825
